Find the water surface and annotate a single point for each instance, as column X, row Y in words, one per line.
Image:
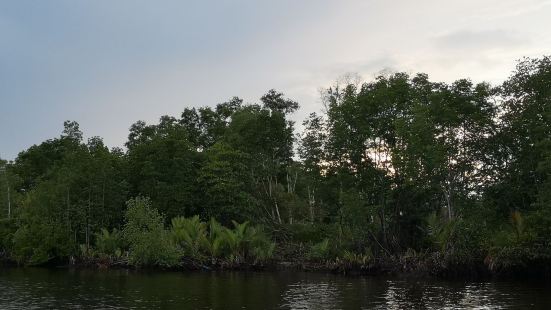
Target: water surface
column 36, row 288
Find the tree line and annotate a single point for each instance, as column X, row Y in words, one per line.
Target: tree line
column 398, row 166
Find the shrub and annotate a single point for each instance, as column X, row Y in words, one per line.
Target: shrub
column 243, row 243
column 150, row 244
column 260, row 247
column 7, row 229
column 109, row 244
column 189, row 234
column 37, row 243
column 352, row 259
column 215, row 242
column 320, row 251
column 154, row 249
column 301, row 232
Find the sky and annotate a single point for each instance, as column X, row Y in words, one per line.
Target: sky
column 108, row 63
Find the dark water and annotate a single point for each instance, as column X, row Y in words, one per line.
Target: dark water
column 119, row 289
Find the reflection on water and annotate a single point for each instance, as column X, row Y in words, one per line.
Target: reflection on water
column 120, row 289
column 305, row 295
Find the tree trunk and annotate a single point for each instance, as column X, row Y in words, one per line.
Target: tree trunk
column 447, row 196
column 311, row 203
column 88, row 219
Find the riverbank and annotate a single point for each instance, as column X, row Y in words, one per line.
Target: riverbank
column 428, row 266
column 193, row 244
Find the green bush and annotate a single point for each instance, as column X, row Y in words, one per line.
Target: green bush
column 215, row 243
column 356, row 259
column 7, row 230
column 302, row 232
column 199, row 240
column 189, row 234
column 109, row 244
column 247, row 242
column 150, row 244
column 36, row 243
column 321, row 251
column 261, row 248
column 154, row 249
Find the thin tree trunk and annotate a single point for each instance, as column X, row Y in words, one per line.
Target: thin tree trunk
column 88, row 219
column 311, row 202
column 67, row 215
column 277, row 212
column 447, row 196
column 103, row 200
column 291, row 184
column 9, row 200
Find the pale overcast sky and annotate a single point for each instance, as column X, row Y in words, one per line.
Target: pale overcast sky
column 109, row 63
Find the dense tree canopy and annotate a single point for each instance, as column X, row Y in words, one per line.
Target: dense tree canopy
column 397, row 164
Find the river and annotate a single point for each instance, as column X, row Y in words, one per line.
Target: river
column 37, row 288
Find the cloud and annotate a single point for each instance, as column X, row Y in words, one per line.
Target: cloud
column 506, row 9
column 481, row 40
column 108, row 64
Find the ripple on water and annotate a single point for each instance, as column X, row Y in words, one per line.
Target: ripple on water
column 307, row 295
column 44, row 289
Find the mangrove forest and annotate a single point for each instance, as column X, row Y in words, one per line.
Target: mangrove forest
column 397, row 174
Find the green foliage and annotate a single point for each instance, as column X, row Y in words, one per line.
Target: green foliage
column 305, row 232
column 109, row 244
column 43, row 232
column 162, row 165
column 226, row 181
column 537, row 228
column 441, row 231
column 261, row 247
column 246, row 241
column 243, row 243
column 215, row 241
column 351, row 259
column 38, row 243
column 518, row 223
column 398, row 165
column 7, row 230
column 150, row 244
column 154, row 249
column 321, row 250
column 190, row 234
column 457, row 241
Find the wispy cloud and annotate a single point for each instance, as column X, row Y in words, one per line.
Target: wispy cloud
column 481, row 39
column 507, row 9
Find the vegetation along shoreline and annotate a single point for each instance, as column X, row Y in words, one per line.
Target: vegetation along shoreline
column 399, row 175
